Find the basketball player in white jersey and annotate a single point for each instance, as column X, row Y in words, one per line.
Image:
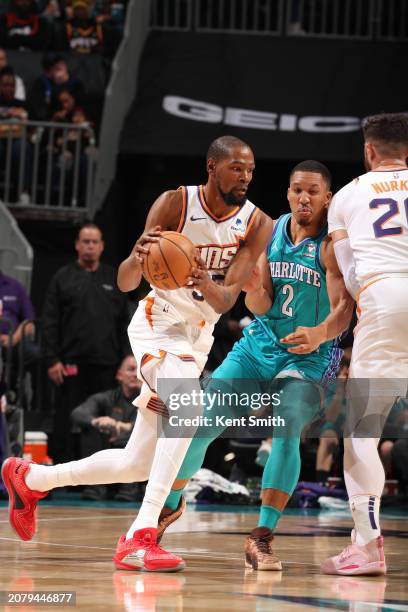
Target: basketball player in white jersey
column 368, row 222
column 171, row 336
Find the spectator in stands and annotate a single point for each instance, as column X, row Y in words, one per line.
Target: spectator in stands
column 84, row 33
column 399, row 455
column 68, row 110
column 10, row 106
column 393, row 444
column 20, row 87
column 17, row 314
column 50, row 9
column 4, row 445
column 68, row 144
column 332, row 427
column 84, row 332
column 22, row 28
column 111, row 14
column 13, row 135
column 43, row 96
column 106, row 420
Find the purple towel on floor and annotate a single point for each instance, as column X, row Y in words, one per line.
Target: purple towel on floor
column 306, row 494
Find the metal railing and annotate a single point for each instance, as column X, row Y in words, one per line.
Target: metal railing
column 351, row 19
column 172, row 14
column 234, row 16
column 337, row 19
column 240, row 16
column 16, row 253
column 47, row 165
column 392, row 20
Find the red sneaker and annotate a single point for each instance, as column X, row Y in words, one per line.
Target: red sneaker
column 22, row 500
column 141, row 553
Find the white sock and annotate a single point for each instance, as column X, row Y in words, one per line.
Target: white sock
column 169, row 456
column 170, row 452
column 366, row 514
column 363, row 473
column 129, row 464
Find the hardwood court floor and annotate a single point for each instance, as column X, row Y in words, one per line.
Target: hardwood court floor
column 73, row 548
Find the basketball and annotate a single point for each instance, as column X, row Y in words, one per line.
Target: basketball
column 169, row 261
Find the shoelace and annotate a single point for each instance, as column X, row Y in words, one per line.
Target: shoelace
column 146, row 542
column 346, row 552
column 263, row 545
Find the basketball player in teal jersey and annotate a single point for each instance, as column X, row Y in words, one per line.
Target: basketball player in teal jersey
column 301, row 305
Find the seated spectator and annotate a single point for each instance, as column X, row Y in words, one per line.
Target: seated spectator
column 84, row 33
column 78, row 117
column 106, row 421
column 22, row 28
column 17, row 314
column 11, row 110
column 399, row 456
column 68, row 144
column 393, row 446
column 332, row 428
column 49, row 9
column 43, row 96
column 20, row 87
column 111, row 13
column 66, row 106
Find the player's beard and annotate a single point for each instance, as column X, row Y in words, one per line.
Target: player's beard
column 303, row 222
column 231, row 199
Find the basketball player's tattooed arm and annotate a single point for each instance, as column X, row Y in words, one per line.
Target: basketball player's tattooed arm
column 258, row 288
column 222, row 297
column 308, row 339
column 164, row 215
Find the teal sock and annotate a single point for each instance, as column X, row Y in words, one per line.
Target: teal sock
column 269, row 517
column 173, row 499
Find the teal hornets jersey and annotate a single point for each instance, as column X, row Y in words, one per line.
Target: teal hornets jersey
column 299, row 284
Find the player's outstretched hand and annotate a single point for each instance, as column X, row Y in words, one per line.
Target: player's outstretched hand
column 305, row 339
column 140, row 250
column 254, row 282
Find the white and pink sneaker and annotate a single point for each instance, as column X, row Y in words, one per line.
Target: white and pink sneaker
column 354, row 560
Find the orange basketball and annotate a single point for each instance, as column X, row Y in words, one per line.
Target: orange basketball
column 169, row 261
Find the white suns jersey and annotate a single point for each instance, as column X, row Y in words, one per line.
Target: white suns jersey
column 373, row 209
column 218, row 241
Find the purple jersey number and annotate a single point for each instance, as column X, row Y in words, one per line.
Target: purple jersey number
column 379, row 230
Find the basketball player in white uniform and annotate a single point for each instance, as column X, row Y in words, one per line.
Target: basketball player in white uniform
column 171, row 335
column 368, row 222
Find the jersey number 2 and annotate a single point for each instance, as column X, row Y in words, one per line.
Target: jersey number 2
column 379, row 230
column 286, row 308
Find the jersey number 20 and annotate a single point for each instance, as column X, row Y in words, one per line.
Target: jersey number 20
column 393, row 209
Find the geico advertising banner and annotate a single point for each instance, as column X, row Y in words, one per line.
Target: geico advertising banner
column 289, row 98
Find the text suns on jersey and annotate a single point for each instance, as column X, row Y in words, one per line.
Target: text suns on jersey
column 218, row 257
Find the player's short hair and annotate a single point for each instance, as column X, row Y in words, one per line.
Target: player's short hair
column 389, row 130
column 88, row 225
column 311, row 165
column 221, row 147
